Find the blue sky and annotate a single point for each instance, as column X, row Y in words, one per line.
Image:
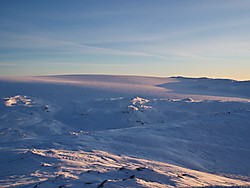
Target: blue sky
column 135, row 37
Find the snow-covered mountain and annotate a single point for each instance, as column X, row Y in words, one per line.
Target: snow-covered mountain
column 124, row 131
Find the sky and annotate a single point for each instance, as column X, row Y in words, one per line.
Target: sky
column 134, row 37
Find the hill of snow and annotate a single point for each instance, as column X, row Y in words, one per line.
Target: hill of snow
column 124, row 131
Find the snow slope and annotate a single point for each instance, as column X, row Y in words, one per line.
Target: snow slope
column 124, row 131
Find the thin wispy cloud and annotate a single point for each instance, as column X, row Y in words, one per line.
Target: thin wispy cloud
column 100, row 50
column 28, row 41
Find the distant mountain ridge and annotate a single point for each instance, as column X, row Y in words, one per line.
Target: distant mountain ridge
column 209, row 86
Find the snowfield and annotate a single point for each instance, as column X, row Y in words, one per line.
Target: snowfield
column 124, row 131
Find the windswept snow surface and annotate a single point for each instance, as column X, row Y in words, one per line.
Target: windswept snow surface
column 124, row 131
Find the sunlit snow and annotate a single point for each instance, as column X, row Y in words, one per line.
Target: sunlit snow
column 124, row 131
